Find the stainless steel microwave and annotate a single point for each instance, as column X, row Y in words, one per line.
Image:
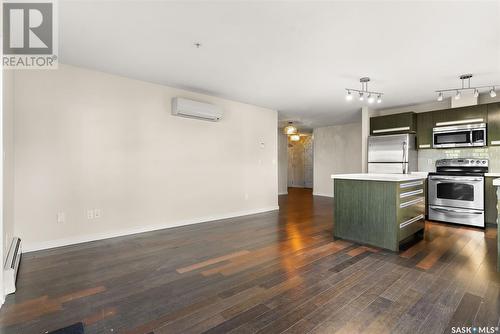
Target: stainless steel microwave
column 467, row 135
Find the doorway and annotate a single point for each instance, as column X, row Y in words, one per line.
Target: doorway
column 300, row 162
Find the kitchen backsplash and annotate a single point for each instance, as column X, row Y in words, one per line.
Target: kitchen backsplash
column 427, row 158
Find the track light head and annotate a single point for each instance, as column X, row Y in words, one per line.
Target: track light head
column 379, row 98
column 440, row 96
column 348, row 96
column 492, row 92
column 458, row 95
column 361, row 96
column 370, row 99
column 476, row 93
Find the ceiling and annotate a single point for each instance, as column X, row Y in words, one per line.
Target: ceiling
column 296, row 57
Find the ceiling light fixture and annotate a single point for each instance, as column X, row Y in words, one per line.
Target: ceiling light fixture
column 295, row 137
column 465, row 87
column 290, row 129
column 364, row 91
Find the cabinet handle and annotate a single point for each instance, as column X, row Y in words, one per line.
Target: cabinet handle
column 463, row 121
column 411, row 221
column 411, row 184
column 410, row 203
column 411, row 193
column 403, row 128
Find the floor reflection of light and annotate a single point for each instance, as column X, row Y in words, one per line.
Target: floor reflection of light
column 295, row 242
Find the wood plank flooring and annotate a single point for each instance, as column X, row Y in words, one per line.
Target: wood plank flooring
column 277, row 272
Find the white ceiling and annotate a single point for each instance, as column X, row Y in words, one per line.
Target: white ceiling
column 296, row 57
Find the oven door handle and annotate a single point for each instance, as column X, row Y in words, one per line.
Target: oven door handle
column 440, row 178
column 456, row 211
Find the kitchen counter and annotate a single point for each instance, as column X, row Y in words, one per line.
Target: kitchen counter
column 381, row 177
column 496, row 182
column 492, row 174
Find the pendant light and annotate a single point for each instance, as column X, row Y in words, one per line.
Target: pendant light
column 295, row 137
column 290, row 129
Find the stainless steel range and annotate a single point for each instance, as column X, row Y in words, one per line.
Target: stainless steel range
column 456, row 191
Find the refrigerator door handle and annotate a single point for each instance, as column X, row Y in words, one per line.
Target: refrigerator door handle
column 404, row 157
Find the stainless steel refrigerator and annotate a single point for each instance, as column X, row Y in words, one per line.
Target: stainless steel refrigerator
column 392, row 154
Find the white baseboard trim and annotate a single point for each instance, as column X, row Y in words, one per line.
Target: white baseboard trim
column 36, row 246
column 283, row 193
column 324, row 195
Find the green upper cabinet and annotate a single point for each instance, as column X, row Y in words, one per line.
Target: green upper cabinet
column 473, row 114
column 424, row 130
column 494, row 124
column 393, row 124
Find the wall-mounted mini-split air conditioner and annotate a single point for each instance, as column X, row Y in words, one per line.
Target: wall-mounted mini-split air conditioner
column 194, row 109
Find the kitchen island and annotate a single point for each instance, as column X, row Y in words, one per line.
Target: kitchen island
column 381, row 210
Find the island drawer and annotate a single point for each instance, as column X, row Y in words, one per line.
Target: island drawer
column 410, row 208
column 409, row 191
column 410, row 185
column 411, row 226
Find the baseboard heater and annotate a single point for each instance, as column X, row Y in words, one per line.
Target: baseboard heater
column 12, row 265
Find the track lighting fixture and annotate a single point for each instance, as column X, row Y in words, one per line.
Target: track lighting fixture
column 370, row 95
column 465, row 87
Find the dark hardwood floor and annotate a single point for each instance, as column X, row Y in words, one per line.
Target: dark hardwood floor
column 267, row 273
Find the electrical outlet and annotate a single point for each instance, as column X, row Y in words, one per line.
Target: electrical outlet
column 61, row 217
column 97, row 213
column 90, row 214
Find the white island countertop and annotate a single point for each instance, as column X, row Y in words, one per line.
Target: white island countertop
column 381, row 177
column 496, row 182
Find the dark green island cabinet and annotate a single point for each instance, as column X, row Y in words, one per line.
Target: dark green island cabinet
column 378, row 209
column 496, row 183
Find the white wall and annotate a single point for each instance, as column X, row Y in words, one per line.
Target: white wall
column 282, row 163
column 8, row 161
column 337, row 149
column 85, row 139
